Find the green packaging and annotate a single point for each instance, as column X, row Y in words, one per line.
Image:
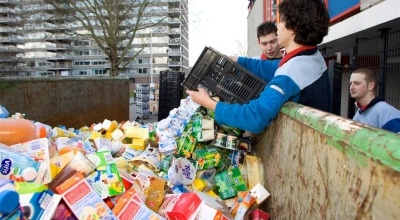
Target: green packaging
column 207, row 157
column 229, row 183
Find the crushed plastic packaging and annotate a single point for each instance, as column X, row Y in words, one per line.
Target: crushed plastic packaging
column 3, row 112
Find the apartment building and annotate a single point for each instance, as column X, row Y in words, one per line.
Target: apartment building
column 45, row 43
column 362, row 34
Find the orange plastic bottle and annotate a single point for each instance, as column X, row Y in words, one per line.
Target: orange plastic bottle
column 15, row 131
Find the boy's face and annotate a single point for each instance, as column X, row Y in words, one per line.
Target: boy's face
column 359, row 87
column 284, row 35
column 269, row 46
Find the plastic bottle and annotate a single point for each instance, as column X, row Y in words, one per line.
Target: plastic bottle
column 15, row 131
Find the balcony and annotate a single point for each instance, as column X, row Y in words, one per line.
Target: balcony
column 59, row 47
column 7, row 11
column 11, row 49
column 176, row 41
column 175, row 32
column 10, row 40
column 7, row 20
column 174, row 11
column 60, row 66
column 174, row 3
column 174, row 22
column 59, row 38
column 9, row 2
column 175, row 64
column 60, row 57
column 174, row 53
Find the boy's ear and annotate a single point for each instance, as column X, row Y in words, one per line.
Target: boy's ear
column 371, row 86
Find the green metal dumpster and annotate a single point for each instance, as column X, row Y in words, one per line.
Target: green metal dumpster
column 321, row 166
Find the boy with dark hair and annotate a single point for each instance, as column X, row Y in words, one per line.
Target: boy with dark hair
column 268, row 42
column 299, row 77
column 372, row 110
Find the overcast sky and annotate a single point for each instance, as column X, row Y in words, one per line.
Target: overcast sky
column 220, row 24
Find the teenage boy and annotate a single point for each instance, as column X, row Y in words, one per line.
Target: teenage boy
column 372, row 110
column 300, row 76
column 268, row 42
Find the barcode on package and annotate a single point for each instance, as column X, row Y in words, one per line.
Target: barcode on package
column 109, row 158
column 248, row 198
column 45, row 202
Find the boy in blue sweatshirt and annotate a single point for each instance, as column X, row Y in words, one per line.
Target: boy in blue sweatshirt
column 299, row 77
column 372, row 110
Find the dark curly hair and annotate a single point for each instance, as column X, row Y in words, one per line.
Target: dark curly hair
column 266, row 28
column 309, row 20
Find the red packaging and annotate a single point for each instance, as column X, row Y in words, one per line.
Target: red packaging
column 258, row 214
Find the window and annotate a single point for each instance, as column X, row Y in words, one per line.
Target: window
column 82, row 43
column 100, row 72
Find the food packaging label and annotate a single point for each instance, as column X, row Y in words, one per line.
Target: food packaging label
column 182, row 171
column 83, row 201
column 29, row 161
column 130, row 206
column 208, row 157
column 105, row 179
column 40, row 204
column 229, row 183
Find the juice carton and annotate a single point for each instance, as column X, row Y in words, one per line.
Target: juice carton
column 207, row 157
column 64, row 212
column 212, row 208
column 183, row 206
column 229, row 183
column 130, row 206
column 39, row 150
column 17, row 166
column 259, row 215
column 153, row 189
column 105, row 180
column 83, row 201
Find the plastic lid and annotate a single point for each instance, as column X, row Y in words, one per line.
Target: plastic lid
column 9, row 200
column 199, row 184
column 29, row 174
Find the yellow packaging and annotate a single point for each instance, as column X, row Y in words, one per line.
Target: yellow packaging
column 59, row 132
column 94, row 135
column 109, row 125
column 254, row 171
column 212, row 194
column 108, row 135
column 139, row 144
column 58, row 163
column 199, row 184
column 135, row 132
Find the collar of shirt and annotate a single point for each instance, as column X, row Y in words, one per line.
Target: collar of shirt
column 305, row 50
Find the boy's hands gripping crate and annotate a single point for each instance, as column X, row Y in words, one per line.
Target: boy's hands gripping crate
column 223, row 77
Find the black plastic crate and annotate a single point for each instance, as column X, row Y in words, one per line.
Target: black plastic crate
column 168, row 105
column 167, row 76
column 223, row 77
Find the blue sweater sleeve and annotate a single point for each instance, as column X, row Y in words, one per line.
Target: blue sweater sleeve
column 265, row 69
column 258, row 113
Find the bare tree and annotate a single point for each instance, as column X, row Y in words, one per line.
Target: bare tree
column 9, row 62
column 112, row 24
column 241, row 48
